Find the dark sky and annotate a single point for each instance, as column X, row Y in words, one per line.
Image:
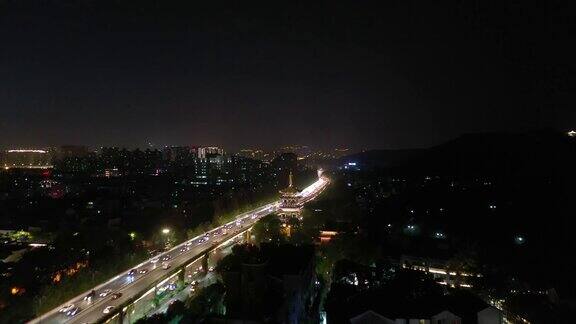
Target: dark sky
column 375, row 74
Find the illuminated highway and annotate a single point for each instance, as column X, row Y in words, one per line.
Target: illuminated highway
column 134, row 281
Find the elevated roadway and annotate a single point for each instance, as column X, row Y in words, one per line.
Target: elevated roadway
column 128, row 287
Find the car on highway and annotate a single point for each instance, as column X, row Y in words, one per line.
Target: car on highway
column 166, row 266
column 143, row 271
column 66, row 308
column 90, row 296
column 116, row 295
column 166, row 257
column 155, row 260
column 105, row 293
column 72, row 312
column 132, row 272
column 108, row 309
column 184, row 249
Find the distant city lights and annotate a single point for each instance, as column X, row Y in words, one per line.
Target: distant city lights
column 352, row 166
column 439, row 235
column 27, row 151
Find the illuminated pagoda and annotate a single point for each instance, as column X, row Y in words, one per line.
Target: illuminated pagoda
column 290, row 205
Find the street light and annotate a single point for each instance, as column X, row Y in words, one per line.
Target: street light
column 165, row 232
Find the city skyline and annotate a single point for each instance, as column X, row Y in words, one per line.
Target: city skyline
column 329, row 161
column 341, row 150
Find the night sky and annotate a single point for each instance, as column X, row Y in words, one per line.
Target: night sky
column 366, row 74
